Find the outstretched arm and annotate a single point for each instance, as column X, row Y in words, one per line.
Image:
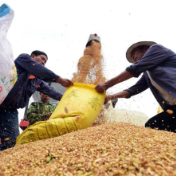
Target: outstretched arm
column 139, row 87
column 122, row 94
column 125, row 75
column 46, row 89
column 25, row 62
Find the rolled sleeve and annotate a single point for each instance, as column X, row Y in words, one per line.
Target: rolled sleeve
column 130, row 93
column 132, row 70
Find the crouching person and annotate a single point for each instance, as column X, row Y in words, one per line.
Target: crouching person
column 40, row 111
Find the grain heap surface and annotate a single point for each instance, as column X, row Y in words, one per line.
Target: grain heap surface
column 108, row 149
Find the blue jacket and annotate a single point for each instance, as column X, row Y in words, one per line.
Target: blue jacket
column 161, row 64
column 25, row 87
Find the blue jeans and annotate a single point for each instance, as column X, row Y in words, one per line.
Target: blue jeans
column 9, row 127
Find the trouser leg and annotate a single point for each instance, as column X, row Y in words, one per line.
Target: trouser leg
column 9, row 128
column 163, row 121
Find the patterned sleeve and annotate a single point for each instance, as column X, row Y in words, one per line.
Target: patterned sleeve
column 32, row 114
column 53, row 108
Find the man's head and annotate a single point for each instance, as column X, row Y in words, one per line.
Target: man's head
column 137, row 50
column 39, row 57
column 44, row 98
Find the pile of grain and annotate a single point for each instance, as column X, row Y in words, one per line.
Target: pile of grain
column 104, row 150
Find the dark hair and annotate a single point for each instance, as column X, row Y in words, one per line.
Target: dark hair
column 90, row 43
column 37, row 53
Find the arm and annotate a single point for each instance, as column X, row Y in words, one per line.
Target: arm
column 25, row 62
column 32, row 114
column 154, row 56
column 139, row 87
column 122, row 94
column 44, row 88
column 120, row 78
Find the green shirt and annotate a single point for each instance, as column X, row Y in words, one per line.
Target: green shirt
column 37, row 111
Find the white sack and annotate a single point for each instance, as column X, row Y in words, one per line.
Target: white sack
column 8, row 73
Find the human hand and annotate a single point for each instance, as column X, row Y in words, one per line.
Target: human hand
column 48, row 115
column 122, row 94
column 64, row 82
column 106, row 105
column 101, row 87
column 108, row 98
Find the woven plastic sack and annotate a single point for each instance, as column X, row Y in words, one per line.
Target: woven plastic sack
column 78, row 109
column 8, row 73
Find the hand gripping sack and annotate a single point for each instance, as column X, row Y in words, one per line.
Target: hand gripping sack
column 78, row 109
column 8, row 73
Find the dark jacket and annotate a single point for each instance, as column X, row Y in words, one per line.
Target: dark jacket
column 26, row 86
column 161, row 64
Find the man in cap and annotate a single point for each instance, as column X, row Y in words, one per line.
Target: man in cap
column 158, row 65
column 31, row 72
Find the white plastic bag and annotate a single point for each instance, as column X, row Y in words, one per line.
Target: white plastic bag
column 8, row 73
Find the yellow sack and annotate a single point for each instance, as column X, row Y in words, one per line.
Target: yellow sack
column 78, row 109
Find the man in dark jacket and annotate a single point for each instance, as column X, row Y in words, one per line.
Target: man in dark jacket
column 31, row 72
column 158, row 65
